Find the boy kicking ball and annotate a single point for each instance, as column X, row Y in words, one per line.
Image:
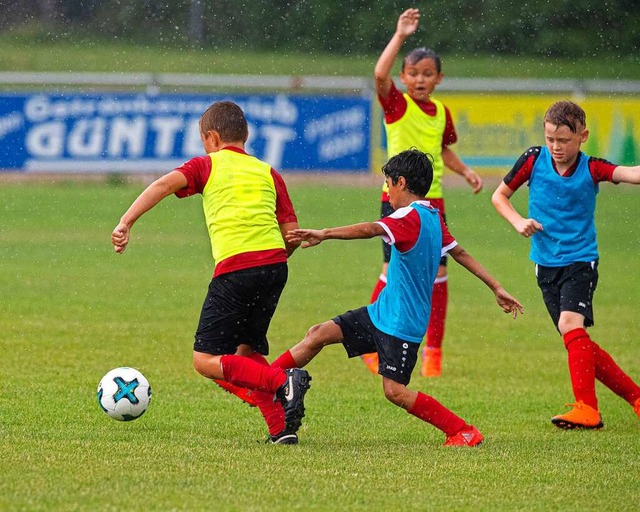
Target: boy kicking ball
column 563, row 184
column 393, row 326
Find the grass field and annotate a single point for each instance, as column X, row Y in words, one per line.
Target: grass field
column 71, row 309
column 25, row 52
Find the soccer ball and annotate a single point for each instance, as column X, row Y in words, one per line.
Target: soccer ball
column 124, row 394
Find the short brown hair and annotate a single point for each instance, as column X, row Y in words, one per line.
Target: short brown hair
column 566, row 113
column 226, row 118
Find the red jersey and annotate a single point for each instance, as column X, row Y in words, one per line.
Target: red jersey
column 402, row 229
column 600, row 169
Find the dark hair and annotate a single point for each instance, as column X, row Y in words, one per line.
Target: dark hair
column 415, row 166
column 566, row 113
column 417, row 54
column 226, row 118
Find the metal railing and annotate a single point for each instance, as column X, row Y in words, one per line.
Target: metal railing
column 155, row 82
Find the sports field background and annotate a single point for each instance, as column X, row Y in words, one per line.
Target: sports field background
column 71, row 309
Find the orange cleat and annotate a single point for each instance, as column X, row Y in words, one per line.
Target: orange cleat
column 636, row 407
column 244, row 394
column 371, row 360
column 431, row 362
column 469, row 436
column 581, row 416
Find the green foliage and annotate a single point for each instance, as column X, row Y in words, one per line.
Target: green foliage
column 72, row 309
column 562, row 28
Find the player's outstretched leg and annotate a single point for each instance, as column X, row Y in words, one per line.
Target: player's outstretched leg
column 291, row 395
column 244, row 394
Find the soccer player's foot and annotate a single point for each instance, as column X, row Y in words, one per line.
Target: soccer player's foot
column 431, row 362
column 581, row 416
column 371, row 360
column 636, row 407
column 469, row 436
column 244, row 394
column 291, row 395
column 284, row 437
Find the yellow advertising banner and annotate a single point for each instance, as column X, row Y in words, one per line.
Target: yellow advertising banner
column 495, row 129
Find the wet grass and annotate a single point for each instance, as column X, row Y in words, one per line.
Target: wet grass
column 71, row 309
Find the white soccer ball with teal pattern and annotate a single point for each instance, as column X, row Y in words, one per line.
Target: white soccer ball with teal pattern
column 124, row 394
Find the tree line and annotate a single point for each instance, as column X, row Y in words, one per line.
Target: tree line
column 562, row 28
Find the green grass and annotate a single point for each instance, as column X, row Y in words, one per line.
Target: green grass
column 71, row 309
column 22, row 52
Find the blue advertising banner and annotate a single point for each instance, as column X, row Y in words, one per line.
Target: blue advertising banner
column 125, row 132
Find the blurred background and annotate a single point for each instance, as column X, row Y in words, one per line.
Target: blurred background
column 112, row 86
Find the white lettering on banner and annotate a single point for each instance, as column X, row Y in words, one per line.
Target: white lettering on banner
column 87, row 137
column 276, row 138
column 127, row 137
column 10, row 123
column 166, row 129
column 340, row 146
column 46, row 140
column 281, row 110
column 335, row 122
column 41, row 108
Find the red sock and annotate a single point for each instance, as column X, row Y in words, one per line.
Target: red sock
column 582, row 365
column 430, row 410
column 285, row 361
column 246, row 373
column 272, row 411
column 612, row 376
column 382, row 282
column 439, row 298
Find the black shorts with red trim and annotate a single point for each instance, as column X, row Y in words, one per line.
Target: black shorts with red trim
column 238, row 309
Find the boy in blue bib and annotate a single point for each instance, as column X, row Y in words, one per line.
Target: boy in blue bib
column 563, row 184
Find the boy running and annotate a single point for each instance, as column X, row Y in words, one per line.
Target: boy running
column 394, row 324
column 248, row 213
column 563, row 184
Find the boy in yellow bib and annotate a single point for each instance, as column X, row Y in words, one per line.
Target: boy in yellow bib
column 416, row 120
column 248, row 212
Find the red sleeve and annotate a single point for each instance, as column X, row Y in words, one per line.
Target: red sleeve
column 197, row 171
column 284, row 207
column 521, row 171
column 394, row 106
column 601, row 169
column 449, row 136
column 402, row 227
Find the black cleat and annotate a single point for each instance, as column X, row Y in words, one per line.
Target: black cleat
column 284, row 437
column 291, row 395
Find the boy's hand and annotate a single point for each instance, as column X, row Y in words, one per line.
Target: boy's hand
column 408, row 22
column 528, row 227
column 311, row 237
column 473, row 179
column 120, row 237
column 508, row 303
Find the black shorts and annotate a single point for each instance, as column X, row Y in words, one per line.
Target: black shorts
column 569, row 288
column 397, row 357
column 385, row 211
column 238, row 309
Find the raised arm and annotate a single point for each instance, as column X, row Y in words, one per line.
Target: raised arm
column 501, row 200
column 508, row 303
column 624, row 174
column 151, row 196
column 407, row 25
column 313, row 237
